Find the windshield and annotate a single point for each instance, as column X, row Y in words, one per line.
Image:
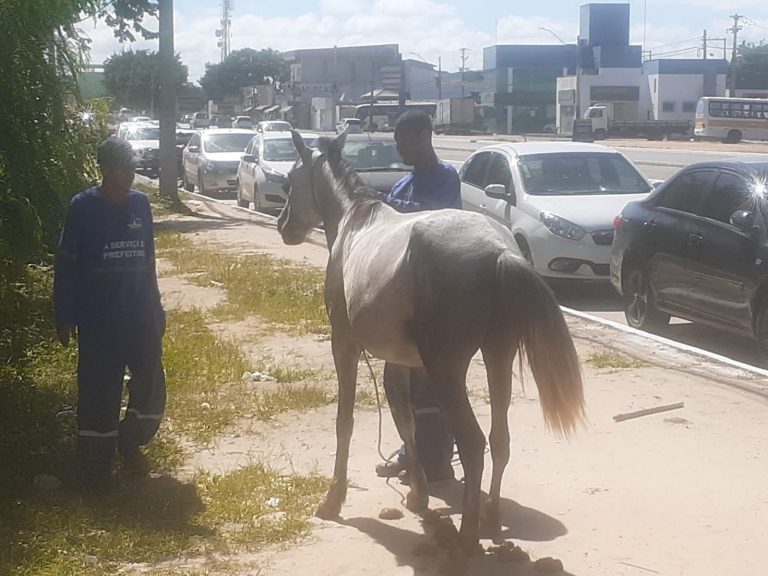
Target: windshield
column 579, row 173
column 144, row 133
column 277, row 127
column 366, row 155
column 226, row 142
column 282, row 149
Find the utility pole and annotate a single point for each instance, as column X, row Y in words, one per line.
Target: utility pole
column 705, row 44
column 736, row 29
column 464, row 58
column 333, row 91
column 225, row 32
column 439, row 77
column 167, row 86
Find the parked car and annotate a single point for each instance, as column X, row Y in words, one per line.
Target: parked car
column 374, row 158
column 211, row 158
column 264, row 167
column 697, row 248
column 200, row 120
column 558, row 199
column 145, row 141
column 351, row 125
column 245, row 122
column 273, row 126
column 182, row 139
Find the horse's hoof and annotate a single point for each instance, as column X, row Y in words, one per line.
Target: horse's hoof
column 327, row 511
column 416, row 501
column 490, row 523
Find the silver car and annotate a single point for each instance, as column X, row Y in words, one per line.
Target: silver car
column 211, row 158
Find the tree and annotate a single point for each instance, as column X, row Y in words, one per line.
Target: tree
column 246, row 67
column 131, row 78
column 752, row 66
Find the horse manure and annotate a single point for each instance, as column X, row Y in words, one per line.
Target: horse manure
column 390, row 514
column 509, row 552
column 425, row 549
column 548, row 565
column 446, row 534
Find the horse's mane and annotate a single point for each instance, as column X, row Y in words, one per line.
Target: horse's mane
column 346, row 177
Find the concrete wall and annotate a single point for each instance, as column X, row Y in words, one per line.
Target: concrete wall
column 675, row 90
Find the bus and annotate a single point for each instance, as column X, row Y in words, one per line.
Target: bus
column 385, row 113
column 731, row 119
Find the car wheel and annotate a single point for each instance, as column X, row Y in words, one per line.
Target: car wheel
column 639, row 306
column 185, row 183
column 242, row 202
column 525, row 250
column 734, row 137
column 256, row 199
column 200, row 187
column 600, row 134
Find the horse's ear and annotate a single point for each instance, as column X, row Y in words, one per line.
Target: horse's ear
column 341, row 139
column 301, row 147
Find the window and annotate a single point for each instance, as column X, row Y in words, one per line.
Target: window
column 729, row 194
column 475, row 171
column 685, row 192
column 654, row 85
column 195, row 141
column 667, row 106
column 499, row 172
column 689, row 106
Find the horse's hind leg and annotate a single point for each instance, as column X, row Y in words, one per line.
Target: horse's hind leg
column 346, row 354
column 498, row 363
column 449, row 382
column 397, row 388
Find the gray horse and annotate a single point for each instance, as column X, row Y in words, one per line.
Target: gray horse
column 429, row 290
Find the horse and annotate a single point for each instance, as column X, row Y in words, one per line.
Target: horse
column 429, row 290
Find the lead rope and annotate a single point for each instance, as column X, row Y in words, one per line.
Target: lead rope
column 378, row 407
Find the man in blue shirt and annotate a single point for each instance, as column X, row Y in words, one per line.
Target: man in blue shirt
column 106, row 288
column 432, row 185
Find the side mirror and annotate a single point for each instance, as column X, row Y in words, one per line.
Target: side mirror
column 193, row 149
column 499, row 191
column 744, row 220
column 249, row 158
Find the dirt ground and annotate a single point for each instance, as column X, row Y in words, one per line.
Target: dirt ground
column 678, row 493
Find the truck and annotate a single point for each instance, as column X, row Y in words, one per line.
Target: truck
column 604, row 126
column 455, row 116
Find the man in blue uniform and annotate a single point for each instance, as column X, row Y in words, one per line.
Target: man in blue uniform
column 106, row 290
column 431, row 186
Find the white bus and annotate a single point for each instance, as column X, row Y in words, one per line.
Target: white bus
column 731, row 119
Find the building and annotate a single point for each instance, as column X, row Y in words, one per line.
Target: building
column 339, row 74
column 520, row 83
column 610, row 71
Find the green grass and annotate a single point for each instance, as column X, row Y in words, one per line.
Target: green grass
column 155, row 520
column 285, row 374
column 161, row 205
column 614, row 360
column 286, row 398
column 278, row 291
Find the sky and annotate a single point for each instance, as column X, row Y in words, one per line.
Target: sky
column 428, row 29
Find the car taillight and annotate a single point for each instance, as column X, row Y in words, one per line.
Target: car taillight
column 617, row 222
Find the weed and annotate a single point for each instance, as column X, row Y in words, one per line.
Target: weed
column 278, row 291
column 285, row 374
column 611, row 359
column 299, row 398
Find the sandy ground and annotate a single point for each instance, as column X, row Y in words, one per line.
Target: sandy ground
column 679, row 493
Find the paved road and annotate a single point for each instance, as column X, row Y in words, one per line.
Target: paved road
column 600, row 299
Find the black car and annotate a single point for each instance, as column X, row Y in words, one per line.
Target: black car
column 697, row 248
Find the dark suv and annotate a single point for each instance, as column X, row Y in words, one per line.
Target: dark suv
column 697, row 248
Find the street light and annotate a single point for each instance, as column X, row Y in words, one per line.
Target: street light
column 553, row 34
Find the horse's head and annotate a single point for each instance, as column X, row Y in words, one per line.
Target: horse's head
column 302, row 211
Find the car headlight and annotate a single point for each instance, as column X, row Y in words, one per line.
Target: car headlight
column 274, row 176
column 562, row 227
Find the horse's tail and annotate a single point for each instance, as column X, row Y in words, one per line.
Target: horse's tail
column 531, row 311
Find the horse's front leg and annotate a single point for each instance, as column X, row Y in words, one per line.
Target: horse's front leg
column 346, row 355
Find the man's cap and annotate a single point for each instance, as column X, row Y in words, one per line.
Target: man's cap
column 115, row 152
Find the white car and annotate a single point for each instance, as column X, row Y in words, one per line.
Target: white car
column 145, row 141
column 264, row 167
column 211, row 158
column 273, row 126
column 558, row 199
